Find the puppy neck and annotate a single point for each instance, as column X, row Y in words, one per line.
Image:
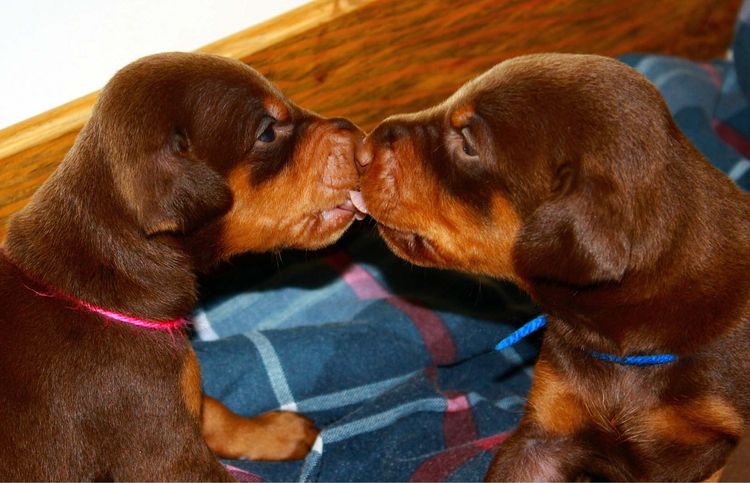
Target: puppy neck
column 76, row 237
column 693, row 292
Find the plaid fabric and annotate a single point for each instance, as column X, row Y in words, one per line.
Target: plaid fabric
column 394, row 362
column 709, row 101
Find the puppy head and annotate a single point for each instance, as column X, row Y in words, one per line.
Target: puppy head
column 527, row 172
column 204, row 147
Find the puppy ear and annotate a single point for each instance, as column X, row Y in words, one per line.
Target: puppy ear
column 178, row 193
column 580, row 238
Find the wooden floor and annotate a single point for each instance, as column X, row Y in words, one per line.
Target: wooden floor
column 367, row 59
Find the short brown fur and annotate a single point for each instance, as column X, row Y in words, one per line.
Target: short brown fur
column 181, row 165
column 617, row 226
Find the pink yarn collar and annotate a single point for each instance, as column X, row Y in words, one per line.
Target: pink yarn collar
column 168, row 325
column 165, row 325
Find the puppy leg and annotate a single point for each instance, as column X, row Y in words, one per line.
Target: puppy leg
column 272, row 436
column 716, row 476
column 530, row 455
column 277, row 435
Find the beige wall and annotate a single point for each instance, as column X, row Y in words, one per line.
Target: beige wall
column 53, row 51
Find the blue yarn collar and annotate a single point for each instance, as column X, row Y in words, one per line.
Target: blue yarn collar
column 539, row 322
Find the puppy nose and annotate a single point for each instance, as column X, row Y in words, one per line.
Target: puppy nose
column 389, row 132
column 364, row 154
column 383, row 137
column 344, row 124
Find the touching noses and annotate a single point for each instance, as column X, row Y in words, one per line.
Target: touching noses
column 364, row 154
column 383, row 137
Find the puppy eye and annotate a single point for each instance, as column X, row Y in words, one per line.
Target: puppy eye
column 466, row 138
column 267, row 133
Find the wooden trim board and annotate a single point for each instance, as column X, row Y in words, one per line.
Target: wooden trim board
column 73, row 115
column 367, row 59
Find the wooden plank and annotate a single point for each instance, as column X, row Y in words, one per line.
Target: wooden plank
column 73, row 115
column 396, row 55
column 367, row 59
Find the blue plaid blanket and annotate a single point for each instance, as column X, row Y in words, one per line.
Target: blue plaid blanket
column 394, row 362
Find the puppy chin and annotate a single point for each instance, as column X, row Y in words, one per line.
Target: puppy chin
column 412, row 247
column 327, row 228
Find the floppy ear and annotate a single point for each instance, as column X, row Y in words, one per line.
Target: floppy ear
column 178, row 193
column 580, row 238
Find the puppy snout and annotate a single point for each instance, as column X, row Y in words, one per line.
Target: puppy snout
column 364, row 154
column 344, row 124
column 388, row 133
column 384, row 137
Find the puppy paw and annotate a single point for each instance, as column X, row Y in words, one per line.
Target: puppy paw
column 280, row 435
column 271, row 436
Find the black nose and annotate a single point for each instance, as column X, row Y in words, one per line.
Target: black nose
column 343, row 124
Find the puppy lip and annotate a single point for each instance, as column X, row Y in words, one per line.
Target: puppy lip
column 342, row 210
column 352, row 205
column 418, row 247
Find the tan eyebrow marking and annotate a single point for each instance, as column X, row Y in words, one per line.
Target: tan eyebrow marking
column 276, row 108
column 461, row 115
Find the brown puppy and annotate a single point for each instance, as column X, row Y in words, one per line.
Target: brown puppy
column 567, row 175
column 187, row 159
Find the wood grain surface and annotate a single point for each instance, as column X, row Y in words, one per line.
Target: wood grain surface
column 367, row 59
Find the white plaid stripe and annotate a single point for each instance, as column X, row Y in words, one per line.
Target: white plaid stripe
column 274, row 370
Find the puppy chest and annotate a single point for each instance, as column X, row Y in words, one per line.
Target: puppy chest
column 627, row 408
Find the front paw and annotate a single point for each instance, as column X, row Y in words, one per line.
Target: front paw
column 279, row 435
column 271, row 436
